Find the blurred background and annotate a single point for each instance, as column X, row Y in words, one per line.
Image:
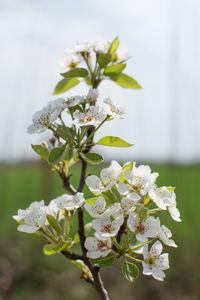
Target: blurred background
column 162, row 121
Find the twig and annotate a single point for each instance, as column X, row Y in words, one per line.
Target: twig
column 67, row 185
column 98, row 284
column 96, row 280
column 71, row 256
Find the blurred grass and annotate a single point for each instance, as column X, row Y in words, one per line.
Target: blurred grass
column 54, row 278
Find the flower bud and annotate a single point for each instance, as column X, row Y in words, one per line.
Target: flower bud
column 44, row 144
column 52, row 141
column 88, row 228
column 93, row 94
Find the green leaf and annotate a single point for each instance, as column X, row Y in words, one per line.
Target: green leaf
column 47, row 249
column 74, row 160
column 130, row 271
column 37, row 232
column 52, row 221
column 147, row 199
column 113, row 141
column 91, row 200
column 55, row 155
column 125, row 81
column 104, row 59
column 60, row 153
column 103, row 261
column 127, row 166
column 76, row 238
column 51, row 250
column 114, row 69
column 80, row 264
column 77, row 72
column 171, row 188
column 68, row 153
column 114, row 45
column 92, row 158
column 88, row 82
column 42, row 151
column 65, row 84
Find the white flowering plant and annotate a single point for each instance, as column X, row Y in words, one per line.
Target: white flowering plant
column 126, row 197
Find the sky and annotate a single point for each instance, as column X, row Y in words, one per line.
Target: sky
column 162, row 119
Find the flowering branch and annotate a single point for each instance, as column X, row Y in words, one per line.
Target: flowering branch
column 121, row 208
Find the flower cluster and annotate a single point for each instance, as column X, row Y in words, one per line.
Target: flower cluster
column 95, row 113
column 35, row 216
column 131, row 191
column 73, row 58
column 137, row 190
column 65, row 203
column 126, row 197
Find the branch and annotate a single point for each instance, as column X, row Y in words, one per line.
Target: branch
column 67, row 185
column 81, row 230
column 121, row 231
column 99, row 286
column 96, row 280
column 71, row 256
column 83, row 175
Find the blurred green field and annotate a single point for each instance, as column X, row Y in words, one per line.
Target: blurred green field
column 25, row 273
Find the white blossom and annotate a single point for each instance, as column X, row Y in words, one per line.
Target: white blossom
column 165, row 198
column 140, row 179
column 53, row 209
column 165, row 235
column 74, row 100
column 71, row 59
column 110, row 108
column 32, row 218
column 123, row 188
column 129, row 202
column 108, row 178
column 94, row 116
column 57, row 104
column 106, row 228
column 162, row 196
column 148, row 228
column 43, row 118
column 62, row 103
column 100, row 46
column 174, row 212
column 83, row 47
column 154, row 262
column 99, row 209
column 66, row 202
column 122, row 55
column 97, row 248
column 93, row 94
column 115, row 210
